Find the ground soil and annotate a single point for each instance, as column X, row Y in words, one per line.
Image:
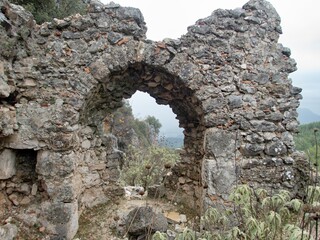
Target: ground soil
column 97, row 223
column 101, row 222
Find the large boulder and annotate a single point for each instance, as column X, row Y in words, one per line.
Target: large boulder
column 142, row 221
column 8, row 231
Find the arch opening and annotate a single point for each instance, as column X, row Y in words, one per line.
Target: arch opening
column 166, row 89
column 169, row 134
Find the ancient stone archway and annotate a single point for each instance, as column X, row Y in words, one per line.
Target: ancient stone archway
column 226, row 80
column 166, row 89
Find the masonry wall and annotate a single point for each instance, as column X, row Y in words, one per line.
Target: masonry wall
column 226, row 80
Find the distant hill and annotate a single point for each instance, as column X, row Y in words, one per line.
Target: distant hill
column 307, row 116
column 171, row 142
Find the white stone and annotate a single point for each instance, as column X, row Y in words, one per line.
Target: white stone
column 87, row 131
column 4, row 89
column 59, row 102
column 25, row 188
column 29, row 82
column 269, row 135
column 8, row 220
column 183, row 218
column 86, row 144
column 182, row 180
column 34, row 189
column 243, row 66
column 7, row 164
column 178, row 228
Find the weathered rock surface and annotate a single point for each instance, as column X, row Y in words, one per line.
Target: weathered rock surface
column 142, row 221
column 7, row 164
column 8, row 231
column 226, row 79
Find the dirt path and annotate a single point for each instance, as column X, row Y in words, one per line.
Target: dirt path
column 100, row 222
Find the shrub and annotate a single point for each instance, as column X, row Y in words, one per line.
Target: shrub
column 307, row 142
column 45, row 11
column 147, row 166
column 260, row 216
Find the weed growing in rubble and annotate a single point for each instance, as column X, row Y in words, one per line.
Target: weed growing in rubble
column 258, row 216
column 159, row 236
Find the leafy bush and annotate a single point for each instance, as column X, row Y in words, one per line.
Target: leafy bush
column 145, row 161
column 45, row 11
column 143, row 130
column 256, row 215
column 260, row 216
column 147, row 166
column 159, row 236
column 147, row 130
column 306, row 141
column 154, row 123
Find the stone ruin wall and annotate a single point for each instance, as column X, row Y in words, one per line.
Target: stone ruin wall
column 226, row 80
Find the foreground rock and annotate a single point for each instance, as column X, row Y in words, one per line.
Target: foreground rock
column 143, row 221
column 8, row 231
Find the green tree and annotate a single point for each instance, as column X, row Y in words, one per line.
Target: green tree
column 154, row 123
column 142, row 129
column 307, row 138
column 126, row 128
column 45, row 11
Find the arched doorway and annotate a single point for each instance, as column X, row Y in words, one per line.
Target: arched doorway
column 185, row 181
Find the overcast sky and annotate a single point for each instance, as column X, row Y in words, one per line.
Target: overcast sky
column 300, row 22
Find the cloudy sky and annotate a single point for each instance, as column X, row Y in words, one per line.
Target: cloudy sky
column 301, row 33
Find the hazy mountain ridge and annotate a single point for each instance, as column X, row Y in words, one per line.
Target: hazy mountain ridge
column 307, row 116
column 171, row 142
